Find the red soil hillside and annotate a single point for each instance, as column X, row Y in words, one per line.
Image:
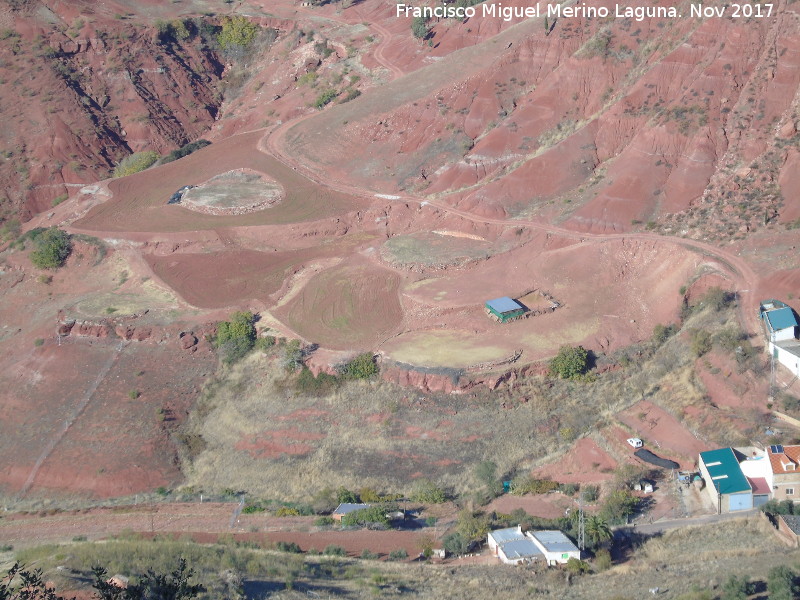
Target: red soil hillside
column 696, row 104
column 81, row 89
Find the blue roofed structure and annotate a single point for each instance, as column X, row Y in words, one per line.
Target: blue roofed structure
column 727, row 486
column 347, row 508
column 781, row 326
column 501, row 536
column 504, row 309
column 556, row 547
column 512, row 546
column 781, row 318
column 725, row 472
column 517, row 550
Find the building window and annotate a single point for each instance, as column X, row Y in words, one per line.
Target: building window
column 790, row 491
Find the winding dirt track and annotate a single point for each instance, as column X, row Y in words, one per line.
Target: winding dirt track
column 273, row 143
column 740, row 272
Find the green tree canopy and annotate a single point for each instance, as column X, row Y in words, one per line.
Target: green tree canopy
column 597, row 529
column 427, row 491
column 362, row 366
column 237, row 33
column 372, row 515
column 419, row 27
column 570, row 362
column 52, row 247
column 151, row 586
column 455, row 543
column 236, row 337
column 781, row 584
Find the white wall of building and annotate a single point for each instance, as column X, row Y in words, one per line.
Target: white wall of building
column 786, row 358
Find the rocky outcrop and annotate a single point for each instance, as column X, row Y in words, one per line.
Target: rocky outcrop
column 126, row 328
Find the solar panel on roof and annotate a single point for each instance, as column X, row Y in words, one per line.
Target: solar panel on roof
column 776, row 449
column 780, row 449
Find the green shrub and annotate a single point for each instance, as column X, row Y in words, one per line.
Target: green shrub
column 568, row 489
column 334, row 550
column 373, row 515
column 781, row 584
column 701, row 342
column 526, row 484
column 367, row 554
column 399, row 554
column 38, row 342
column 264, row 343
column 717, row 298
column 736, row 588
column 321, row 385
column 134, row 163
column 237, row 33
column 235, row 338
column 577, row 566
column 362, row 366
column 618, row 506
column 455, row 543
column 10, row 230
column 345, row 496
column 778, row 507
column 661, row 333
column 59, row 199
column 184, row 150
column 473, row 526
column 288, row 547
column 52, row 247
column 134, row 394
column 352, row 94
column 419, row 27
column 325, row 98
column 602, row 560
column 570, row 363
column 324, row 521
column 590, row 493
column 427, row 491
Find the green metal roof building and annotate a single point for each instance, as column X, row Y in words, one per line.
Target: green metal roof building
column 727, row 486
column 504, row 309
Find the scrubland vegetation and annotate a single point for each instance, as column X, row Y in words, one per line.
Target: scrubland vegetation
column 259, row 401
column 712, row 561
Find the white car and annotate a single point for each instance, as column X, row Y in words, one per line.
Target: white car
column 635, row 442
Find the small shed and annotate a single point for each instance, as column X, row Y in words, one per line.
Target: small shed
column 504, row 309
column 779, row 320
column 346, row 508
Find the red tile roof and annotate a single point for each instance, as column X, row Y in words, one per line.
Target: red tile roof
column 777, row 461
column 759, row 485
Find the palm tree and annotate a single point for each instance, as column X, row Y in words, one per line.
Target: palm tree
column 597, row 529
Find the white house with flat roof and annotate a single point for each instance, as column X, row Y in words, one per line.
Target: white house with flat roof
column 555, row 546
column 780, row 327
column 512, row 546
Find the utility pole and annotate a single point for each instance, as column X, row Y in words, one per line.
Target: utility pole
column 581, row 524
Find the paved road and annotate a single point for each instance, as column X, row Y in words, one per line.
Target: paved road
column 666, row 525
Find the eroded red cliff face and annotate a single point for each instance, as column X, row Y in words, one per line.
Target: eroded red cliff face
column 79, row 91
column 604, row 125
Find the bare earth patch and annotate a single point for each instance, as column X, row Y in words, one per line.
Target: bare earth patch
column 236, row 192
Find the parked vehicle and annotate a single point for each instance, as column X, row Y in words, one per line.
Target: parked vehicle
column 635, row 442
